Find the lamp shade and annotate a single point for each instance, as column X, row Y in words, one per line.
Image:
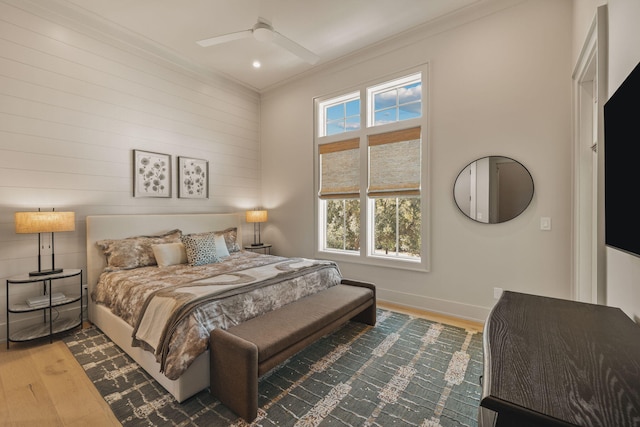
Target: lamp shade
column 256, row 216
column 45, row 222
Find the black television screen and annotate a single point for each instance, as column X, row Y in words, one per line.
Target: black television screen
column 621, row 165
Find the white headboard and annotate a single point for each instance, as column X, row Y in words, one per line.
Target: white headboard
column 101, row 227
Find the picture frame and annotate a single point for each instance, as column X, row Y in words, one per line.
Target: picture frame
column 193, row 178
column 151, row 174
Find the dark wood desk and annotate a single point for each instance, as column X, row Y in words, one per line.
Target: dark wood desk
column 553, row 362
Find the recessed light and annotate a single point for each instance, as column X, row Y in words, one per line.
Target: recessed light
column 256, row 64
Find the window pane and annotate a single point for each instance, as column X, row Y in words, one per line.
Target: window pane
column 335, row 127
column 385, row 227
column 343, row 224
column 353, row 123
column 397, row 225
column 335, row 112
column 410, row 111
column 386, row 116
column 410, row 93
column 353, row 108
column 385, row 99
column 409, row 225
column 335, row 225
column 352, row 225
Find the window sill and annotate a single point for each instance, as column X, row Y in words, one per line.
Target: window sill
column 375, row 261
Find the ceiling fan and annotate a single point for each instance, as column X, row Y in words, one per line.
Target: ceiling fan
column 264, row 32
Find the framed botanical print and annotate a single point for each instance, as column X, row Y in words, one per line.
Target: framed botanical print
column 193, row 178
column 151, row 174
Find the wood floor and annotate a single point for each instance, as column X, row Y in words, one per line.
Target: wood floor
column 440, row 318
column 41, row 384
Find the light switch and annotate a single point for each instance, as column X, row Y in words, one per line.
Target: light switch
column 545, row 223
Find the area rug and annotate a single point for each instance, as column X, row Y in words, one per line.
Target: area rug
column 405, row 371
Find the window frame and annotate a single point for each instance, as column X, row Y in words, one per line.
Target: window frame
column 365, row 255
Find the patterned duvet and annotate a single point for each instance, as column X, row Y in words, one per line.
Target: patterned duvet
column 202, row 298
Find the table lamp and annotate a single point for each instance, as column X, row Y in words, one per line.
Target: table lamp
column 256, row 217
column 45, row 222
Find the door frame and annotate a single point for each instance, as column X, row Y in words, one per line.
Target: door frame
column 588, row 248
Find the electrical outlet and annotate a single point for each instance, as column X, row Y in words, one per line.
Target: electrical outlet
column 497, row 292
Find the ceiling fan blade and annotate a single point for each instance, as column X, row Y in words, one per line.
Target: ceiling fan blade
column 293, row 47
column 225, row 38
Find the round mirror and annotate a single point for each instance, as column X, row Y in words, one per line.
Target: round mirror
column 493, row 189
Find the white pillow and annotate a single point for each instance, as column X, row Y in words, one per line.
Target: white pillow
column 169, row 254
column 221, row 246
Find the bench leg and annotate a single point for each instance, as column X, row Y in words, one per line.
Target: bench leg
column 234, row 373
column 367, row 316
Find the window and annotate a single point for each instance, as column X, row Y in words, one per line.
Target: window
column 371, row 173
column 395, row 101
column 340, row 115
column 396, row 222
column 343, row 225
column 394, row 187
column 340, row 193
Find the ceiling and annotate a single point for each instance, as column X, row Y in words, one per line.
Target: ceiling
column 330, row 28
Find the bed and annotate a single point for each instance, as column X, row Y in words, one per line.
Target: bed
column 184, row 375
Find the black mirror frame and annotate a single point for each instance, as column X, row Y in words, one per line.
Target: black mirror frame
column 525, row 205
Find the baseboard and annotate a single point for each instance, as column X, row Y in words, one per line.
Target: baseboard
column 470, row 312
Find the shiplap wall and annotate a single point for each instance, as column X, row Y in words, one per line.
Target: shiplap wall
column 75, row 102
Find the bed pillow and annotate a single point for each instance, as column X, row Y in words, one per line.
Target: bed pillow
column 136, row 251
column 221, row 246
column 169, row 254
column 200, row 248
column 231, row 239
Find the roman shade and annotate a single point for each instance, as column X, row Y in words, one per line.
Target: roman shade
column 394, row 163
column 340, row 169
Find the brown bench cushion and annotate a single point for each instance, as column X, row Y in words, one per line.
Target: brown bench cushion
column 274, row 331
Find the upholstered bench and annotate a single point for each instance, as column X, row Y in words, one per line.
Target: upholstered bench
column 243, row 353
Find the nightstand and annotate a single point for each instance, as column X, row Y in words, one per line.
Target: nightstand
column 264, row 247
column 47, row 303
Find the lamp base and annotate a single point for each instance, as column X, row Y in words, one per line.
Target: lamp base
column 257, row 244
column 45, row 272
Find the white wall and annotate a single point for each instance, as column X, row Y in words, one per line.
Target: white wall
column 500, row 84
column 74, row 103
column 623, row 270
